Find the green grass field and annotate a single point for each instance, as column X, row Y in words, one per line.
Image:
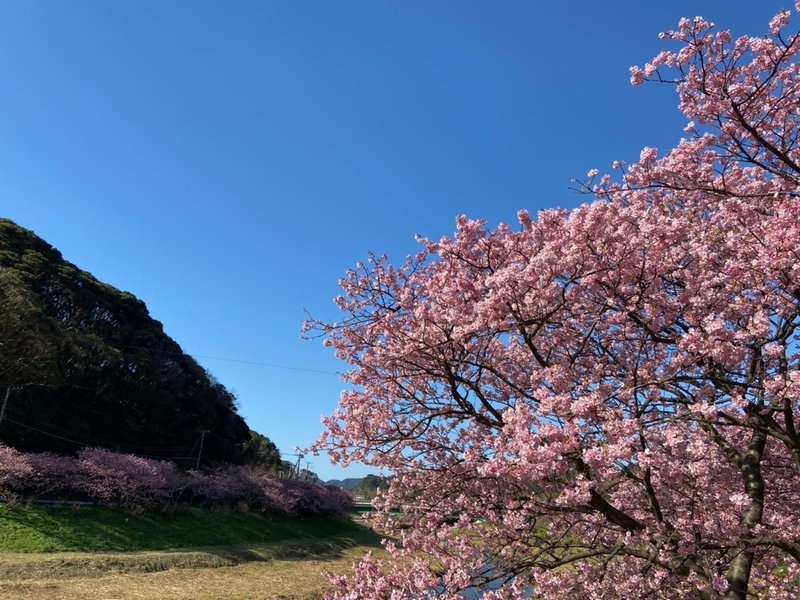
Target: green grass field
column 95, row 553
column 97, row 529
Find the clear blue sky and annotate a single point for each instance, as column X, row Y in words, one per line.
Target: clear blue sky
column 228, row 161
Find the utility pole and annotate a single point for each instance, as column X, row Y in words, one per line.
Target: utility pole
column 297, row 466
column 200, row 451
column 5, row 402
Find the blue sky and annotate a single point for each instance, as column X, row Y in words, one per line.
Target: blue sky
column 226, row 162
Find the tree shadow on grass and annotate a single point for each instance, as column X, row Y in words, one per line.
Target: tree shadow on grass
column 61, row 543
column 307, row 547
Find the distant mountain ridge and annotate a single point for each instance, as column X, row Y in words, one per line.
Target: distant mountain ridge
column 84, row 364
column 346, row 484
column 365, row 487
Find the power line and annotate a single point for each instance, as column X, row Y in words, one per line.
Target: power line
column 262, row 364
column 233, row 360
column 91, row 439
column 104, row 414
column 60, row 437
column 179, row 353
column 86, row 441
column 53, row 435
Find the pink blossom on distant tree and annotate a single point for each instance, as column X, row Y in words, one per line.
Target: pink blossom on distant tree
column 52, row 475
column 126, row 480
column 15, row 470
column 123, row 480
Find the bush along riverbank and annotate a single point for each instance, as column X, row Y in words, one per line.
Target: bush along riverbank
column 126, row 481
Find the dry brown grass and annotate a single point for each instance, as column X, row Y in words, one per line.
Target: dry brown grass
column 193, row 575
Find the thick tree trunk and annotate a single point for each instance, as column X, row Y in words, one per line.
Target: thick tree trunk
column 738, row 574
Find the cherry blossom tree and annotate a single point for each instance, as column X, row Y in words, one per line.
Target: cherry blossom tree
column 123, row 480
column 599, row 403
column 15, row 471
column 134, row 482
column 52, row 475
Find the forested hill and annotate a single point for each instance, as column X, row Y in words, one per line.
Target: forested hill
column 362, row 487
column 87, row 365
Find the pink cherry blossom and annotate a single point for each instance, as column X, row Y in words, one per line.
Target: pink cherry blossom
column 599, row 403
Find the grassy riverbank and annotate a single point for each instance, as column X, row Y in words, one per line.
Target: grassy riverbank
column 95, row 529
column 93, row 553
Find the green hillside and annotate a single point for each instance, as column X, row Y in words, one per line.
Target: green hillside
column 362, row 487
column 83, row 363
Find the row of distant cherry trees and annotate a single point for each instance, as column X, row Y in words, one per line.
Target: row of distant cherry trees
column 129, row 481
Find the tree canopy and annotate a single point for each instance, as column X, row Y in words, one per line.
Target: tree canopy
column 86, row 365
column 600, row 403
column 261, row 451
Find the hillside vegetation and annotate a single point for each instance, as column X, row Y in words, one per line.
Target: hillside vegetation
column 84, row 364
column 367, row 487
